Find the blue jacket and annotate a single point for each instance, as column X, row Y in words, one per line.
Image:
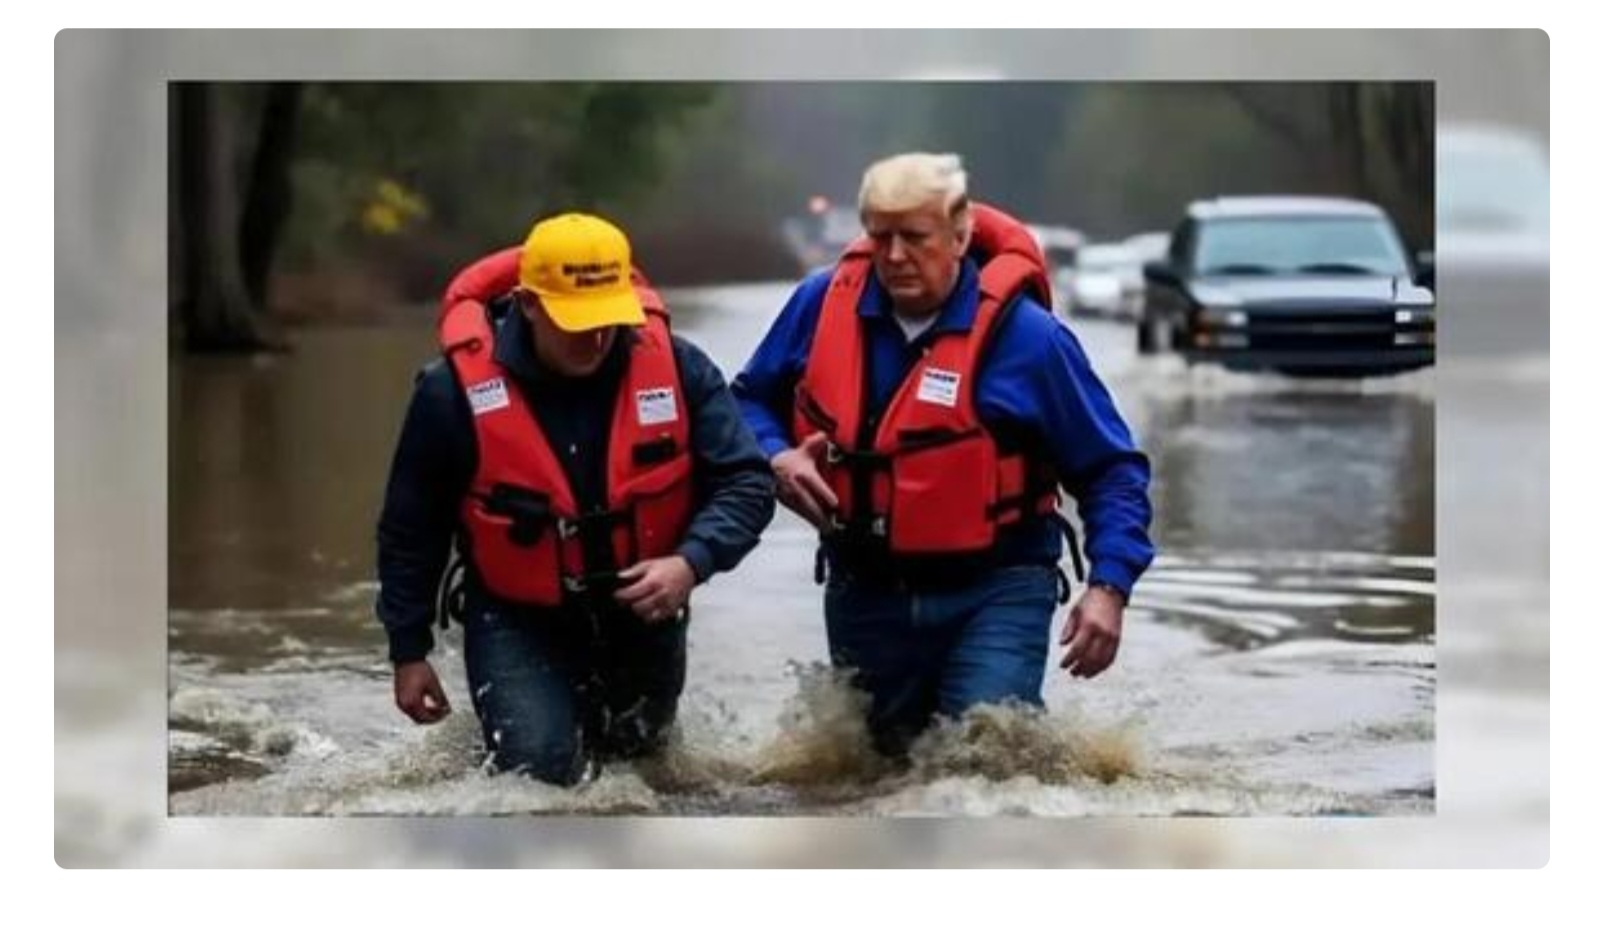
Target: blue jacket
column 1037, row 390
column 437, row 454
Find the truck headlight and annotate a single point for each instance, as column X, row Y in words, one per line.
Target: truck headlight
column 1229, row 317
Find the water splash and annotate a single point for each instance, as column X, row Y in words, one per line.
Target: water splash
column 249, row 727
column 1001, row 742
column 824, row 745
column 823, row 737
column 447, row 750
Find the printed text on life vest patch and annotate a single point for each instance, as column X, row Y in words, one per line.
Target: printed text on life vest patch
column 489, row 395
column 939, row 387
column 657, row 405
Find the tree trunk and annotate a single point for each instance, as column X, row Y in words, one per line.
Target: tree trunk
column 1408, row 130
column 1351, row 140
column 268, row 195
column 213, row 304
column 1370, row 140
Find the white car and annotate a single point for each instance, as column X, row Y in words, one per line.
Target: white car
column 1146, row 247
column 1106, row 281
column 1149, row 246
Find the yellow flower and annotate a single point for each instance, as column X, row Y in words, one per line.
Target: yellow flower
column 391, row 208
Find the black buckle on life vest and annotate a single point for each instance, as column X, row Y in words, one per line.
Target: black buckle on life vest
column 875, row 525
column 528, row 510
column 593, row 532
column 604, row 519
column 594, row 582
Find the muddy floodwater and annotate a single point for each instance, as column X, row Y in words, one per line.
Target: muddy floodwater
column 1278, row 658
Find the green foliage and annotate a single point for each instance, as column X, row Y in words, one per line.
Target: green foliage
column 473, row 164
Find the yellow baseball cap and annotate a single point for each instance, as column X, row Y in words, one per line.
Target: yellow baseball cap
column 581, row 267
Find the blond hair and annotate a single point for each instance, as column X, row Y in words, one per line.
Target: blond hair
column 908, row 181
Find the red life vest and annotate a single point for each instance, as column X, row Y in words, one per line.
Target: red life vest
column 525, row 532
column 932, row 480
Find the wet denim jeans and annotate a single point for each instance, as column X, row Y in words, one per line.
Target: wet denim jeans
column 919, row 653
column 556, row 691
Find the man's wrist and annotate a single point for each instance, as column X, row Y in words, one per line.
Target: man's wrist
column 1117, row 592
column 409, row 647
column 698, row 557
column 773, row 445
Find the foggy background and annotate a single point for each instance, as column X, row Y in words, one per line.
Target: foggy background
column 350, row 200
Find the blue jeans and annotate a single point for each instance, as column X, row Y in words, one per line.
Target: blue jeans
column 918, row 653
column 555, row 690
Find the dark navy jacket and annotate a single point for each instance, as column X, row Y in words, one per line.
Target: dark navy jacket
column 437, row 455
column 1036, row 391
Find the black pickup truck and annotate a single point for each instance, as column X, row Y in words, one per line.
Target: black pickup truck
column 1299, row 285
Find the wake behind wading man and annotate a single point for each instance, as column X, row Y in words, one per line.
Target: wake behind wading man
column 921, row 407
column 592, row 469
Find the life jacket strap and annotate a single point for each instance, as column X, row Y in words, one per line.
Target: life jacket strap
column 453, row 593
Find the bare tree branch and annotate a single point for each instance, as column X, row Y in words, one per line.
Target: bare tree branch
column 1249, row 101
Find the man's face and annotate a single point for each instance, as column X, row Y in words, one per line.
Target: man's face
column 916, row 255
column 569, row 353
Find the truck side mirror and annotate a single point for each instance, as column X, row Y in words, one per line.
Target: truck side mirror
column 1425, row 269
column 1160, row 272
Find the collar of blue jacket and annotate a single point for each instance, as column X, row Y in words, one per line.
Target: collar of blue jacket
column 956, row 314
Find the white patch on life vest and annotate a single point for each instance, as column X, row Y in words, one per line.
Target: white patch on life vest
column 657, row 405
column 489, row 395
column 939, row 387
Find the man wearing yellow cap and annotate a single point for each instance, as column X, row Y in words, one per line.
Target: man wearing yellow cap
column 591, row 469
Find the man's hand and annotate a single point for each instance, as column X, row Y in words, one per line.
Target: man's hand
column 800, row 483
column 1092, row 632
column 418, row 694
column 658, row 588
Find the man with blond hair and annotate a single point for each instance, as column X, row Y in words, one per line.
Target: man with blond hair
column 923, row 409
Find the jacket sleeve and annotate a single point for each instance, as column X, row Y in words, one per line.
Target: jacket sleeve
column 734, row 485
column 765, row 388
column 1045, row 380
column 430, row 472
